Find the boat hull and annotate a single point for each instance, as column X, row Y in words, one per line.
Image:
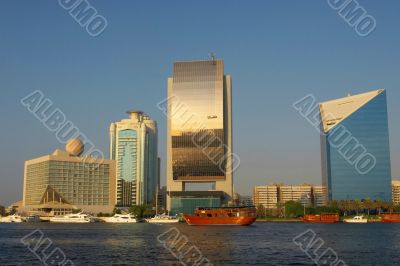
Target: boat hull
column 70, row 221
column 323, row 218
column 119, row 221
column 159, row 221
column 320, row 222
column 364, row 221
column 197, row 220
column 390, row 218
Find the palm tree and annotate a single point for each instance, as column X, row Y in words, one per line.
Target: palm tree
column 368, row 204
column 351, row 205
column 389, row 206
column 379, row 204
column 260, row 210
column 357, row 205
column 341, row 204
column 333, row 204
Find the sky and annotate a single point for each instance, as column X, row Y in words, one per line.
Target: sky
column 276, row 51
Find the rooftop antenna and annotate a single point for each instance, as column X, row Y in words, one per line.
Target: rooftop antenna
column 212, row 57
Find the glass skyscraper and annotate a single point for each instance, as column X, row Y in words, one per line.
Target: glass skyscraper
column 355, row 147
column 133, row 145
column 199, row 143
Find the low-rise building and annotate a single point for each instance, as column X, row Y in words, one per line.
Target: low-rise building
column 320, row 197
column 267, row 196
column 270, row 196
column 396, row 191
column 64, row 181
column 246, row 200
column 300, row 193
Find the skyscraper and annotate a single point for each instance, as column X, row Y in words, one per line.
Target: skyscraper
column 133, row 145
column 355, row 147
column 199, row 141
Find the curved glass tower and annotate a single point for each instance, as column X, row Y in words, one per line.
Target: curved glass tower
column 355, row 147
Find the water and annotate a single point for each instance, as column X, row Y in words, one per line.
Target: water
column 261, row 243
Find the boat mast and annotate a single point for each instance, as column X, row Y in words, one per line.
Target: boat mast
column 156, row 200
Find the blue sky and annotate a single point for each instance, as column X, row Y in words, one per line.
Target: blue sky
column 276, row 52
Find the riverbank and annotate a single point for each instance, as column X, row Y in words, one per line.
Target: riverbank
column 278, row 220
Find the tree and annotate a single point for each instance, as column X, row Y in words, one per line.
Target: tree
column 333, row 204
column 281, row 209
column 116, row 211
column 368, row 204
column 388, row 206
column 357, row 204
column 294, row 209
column 379, row 204
column 260, row 210
column 141, row 211
column 342, row 206
column 2, row 210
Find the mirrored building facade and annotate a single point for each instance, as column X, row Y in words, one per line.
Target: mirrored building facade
column 355, row 147
column 199, row 130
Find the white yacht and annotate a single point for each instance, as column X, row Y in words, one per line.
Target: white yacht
column 356, row 219
column 120, row 218
column 162, row 219
column 11, row 219
column 34, row 218
column 72, row 218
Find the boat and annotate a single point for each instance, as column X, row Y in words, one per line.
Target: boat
column 34, row 218
column 222, row 216
column 321, row 218
column 11, row 219
column 72, row 218
column 356, row 219
column 120, row 218
column 163, row 219
column 391, row 217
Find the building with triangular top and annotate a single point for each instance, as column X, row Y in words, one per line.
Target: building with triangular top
column 65, row 181
column 355, row 153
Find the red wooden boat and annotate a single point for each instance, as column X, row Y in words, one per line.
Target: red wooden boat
column 390, row 217
column 222, row 216
column 321, row 218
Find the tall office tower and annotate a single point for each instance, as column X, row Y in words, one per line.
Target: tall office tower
column 355, row 147
column 133, row 145
column 199, row 141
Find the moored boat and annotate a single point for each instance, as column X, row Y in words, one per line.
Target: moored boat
column 162, row 219
column 11, row 219
column 72, row 218
column 321, row 218
column 120, row 218
column 222, row 216
column 356, row 219
column 391, row 217
column 33, row 219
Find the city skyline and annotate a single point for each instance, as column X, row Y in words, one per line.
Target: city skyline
column 269, row 75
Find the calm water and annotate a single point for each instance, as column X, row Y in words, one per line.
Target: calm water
column 261, row 243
